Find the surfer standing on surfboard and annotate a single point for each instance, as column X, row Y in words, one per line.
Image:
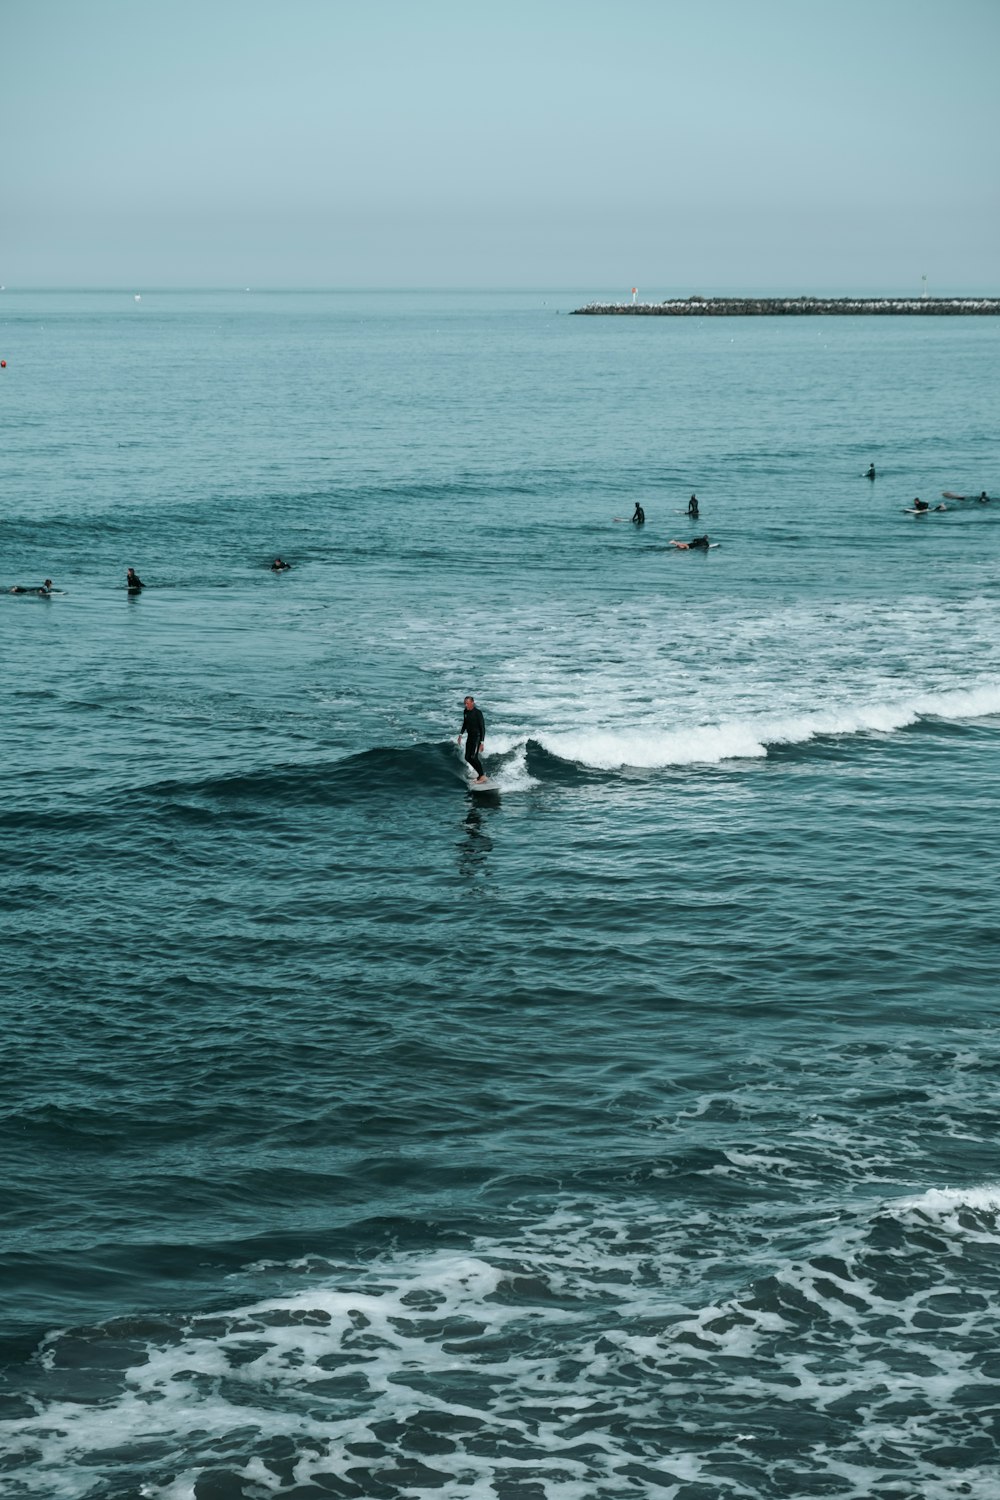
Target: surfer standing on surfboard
column 474, row 729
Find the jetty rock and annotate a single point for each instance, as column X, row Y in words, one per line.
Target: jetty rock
column 783, row 307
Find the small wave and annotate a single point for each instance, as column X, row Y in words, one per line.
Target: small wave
column 752, row 739
column 420, row 768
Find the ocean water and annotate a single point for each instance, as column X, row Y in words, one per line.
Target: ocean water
column 628, row 1131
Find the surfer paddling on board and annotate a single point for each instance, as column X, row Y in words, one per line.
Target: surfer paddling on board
column 474, row 729
column 696, row 544
column 45, row 592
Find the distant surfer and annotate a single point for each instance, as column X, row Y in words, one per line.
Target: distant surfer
column 280, row 566
column 693, row 507
column 44, row 592
column 638, row 515
column 920, row 505
column 696, row 544
column 133, row 582
column 983, row 498
column 870, row 472
column 474, row 729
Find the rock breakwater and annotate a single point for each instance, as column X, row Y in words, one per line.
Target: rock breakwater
column 782, row 307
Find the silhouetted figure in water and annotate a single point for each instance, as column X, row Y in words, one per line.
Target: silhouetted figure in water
column 133, row 582
column 639, row 515
column 870, row 472
column 280, row 566
column 693, row 507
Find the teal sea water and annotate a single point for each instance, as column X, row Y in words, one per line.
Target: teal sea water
column 628, row 1132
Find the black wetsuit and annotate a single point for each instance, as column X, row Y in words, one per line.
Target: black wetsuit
column 693, row 508
column 700, row 543
column 639, row 515
column 474, row 729
column 133, row 583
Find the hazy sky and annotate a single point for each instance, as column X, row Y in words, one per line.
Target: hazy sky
column 695, row 145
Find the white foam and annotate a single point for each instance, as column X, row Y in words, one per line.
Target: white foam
column 513, row 775
column 710, row 744
column 944, row 1204
column 350, row 1357
column 608, row 750
column 650, row 687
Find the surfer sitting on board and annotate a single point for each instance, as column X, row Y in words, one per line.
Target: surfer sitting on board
column 638, row 515
column 696, row 544
column 133, row 582
column 693, row 507
column 870, row 472
column 474, row 729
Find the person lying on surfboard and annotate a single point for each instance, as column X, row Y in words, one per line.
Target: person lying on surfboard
column 696, row 544
column 474, row 729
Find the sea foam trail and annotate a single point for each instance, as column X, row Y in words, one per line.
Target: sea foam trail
column 738, row 739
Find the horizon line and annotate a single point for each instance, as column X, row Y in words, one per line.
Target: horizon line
column 234, row 288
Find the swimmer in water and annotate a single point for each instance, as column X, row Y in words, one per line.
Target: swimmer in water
column 693, row 507
column 133, row 582
column 280, row 566
column 696, row 544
